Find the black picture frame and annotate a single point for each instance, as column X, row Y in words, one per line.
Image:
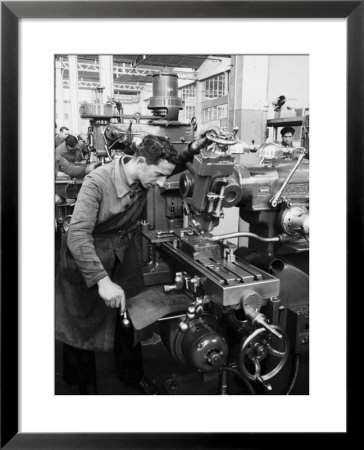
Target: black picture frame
column 11, row 12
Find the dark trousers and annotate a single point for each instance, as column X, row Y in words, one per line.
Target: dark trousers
column 79, row 366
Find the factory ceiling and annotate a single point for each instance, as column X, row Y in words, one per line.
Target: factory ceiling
column 136, row 70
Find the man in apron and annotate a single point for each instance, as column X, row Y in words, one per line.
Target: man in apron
column 100, row 263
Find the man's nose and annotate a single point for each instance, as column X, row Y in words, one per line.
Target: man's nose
column 161, row 181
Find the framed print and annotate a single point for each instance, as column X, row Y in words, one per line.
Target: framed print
column 322, row 44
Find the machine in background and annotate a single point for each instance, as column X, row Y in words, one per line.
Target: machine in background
column 111, row 132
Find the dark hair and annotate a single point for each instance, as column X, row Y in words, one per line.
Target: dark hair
column 64, row 128
column 154, row 148
column 71, row 141
column 287, row 130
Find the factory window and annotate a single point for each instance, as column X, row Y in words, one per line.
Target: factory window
column 214, row 113
column 215, row 87
column 189, row 111
column 188, row 92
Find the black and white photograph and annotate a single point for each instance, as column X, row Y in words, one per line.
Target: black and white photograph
column 181, row 224
column 181, row 198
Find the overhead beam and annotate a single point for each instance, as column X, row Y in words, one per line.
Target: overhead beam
column 128, row 69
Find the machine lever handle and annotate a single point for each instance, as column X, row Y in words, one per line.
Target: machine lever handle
column 275, row 199
column 270, row 329
column 268, row 386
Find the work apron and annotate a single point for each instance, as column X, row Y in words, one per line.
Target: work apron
column 82, row 318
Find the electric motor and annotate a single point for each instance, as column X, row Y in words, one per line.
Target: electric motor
column 165, row 101
column 203, row 345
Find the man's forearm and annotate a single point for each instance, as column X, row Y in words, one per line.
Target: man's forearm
column 84, row 254
column 187, row 154
column 80, row 238
column 71, row 169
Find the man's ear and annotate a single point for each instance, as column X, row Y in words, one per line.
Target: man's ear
column 141, row 160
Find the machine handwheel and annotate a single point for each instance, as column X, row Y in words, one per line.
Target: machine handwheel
column 256, row 347
column 228, row 140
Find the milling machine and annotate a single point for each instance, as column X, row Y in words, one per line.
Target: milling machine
column 238, row 317
column 242, row 311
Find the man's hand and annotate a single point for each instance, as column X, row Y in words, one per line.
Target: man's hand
column 201, row 142
column 112, row 294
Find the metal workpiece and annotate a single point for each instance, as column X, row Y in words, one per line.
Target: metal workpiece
column 198, row 247
column 223, row 281
column 229, row 251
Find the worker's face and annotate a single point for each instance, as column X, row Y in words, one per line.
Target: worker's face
column 287, row 138
column 64, row 134
column 151, row 175
column 83, row 137
column 72, row 149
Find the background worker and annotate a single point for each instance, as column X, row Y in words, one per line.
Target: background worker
column 68, row 154
column 287, row 134
column 61, row 136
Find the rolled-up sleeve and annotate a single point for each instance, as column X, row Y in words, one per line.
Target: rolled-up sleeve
column 79, row 236
column 71, row 169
